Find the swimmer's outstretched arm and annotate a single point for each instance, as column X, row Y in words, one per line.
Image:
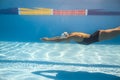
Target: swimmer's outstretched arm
column 56, row 39
column 74, row 37
column 59, row 39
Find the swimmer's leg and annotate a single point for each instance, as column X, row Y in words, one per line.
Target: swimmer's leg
column 109, row 33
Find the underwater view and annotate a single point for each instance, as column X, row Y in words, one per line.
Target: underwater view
column 24, row 56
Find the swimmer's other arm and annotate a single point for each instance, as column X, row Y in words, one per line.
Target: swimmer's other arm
column 57, row 39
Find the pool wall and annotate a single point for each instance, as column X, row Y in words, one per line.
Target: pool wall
column 31, row 28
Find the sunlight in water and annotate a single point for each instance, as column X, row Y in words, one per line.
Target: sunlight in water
column 21, row 60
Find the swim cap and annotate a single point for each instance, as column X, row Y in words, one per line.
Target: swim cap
column 64, row 35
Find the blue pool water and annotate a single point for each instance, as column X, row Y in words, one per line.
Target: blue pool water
column 24, row 57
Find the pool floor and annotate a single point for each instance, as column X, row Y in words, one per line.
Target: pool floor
column 55, row 61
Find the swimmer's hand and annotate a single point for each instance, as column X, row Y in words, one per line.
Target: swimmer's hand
column 44, row 39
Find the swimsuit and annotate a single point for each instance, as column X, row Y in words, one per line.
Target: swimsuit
column 93, row 38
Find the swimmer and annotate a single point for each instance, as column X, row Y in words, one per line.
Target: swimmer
column 84, row 38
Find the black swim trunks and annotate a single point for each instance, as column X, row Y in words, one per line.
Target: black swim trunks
column 93, row 38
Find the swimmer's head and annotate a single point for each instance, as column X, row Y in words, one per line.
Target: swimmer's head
column 64, row 35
